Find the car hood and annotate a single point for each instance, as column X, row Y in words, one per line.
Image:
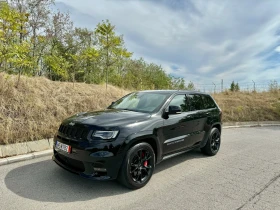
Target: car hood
column 108, row 117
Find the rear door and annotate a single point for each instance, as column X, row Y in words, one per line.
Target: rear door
column 211, row 110
column 199, row 118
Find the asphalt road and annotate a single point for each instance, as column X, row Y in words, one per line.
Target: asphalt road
column 245, row 174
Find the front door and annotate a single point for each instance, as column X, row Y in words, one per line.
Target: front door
column 177, row 129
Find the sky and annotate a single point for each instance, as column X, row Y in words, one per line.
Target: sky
column 201, row 41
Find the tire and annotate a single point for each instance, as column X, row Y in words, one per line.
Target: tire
column 213, row 143
column 138, row 166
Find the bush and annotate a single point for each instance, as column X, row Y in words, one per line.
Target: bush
column 234, row 87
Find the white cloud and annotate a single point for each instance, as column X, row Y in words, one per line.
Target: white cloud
column 207, row 40
column 277, row 49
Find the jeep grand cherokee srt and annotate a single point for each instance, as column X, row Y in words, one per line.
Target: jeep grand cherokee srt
column 126, row 140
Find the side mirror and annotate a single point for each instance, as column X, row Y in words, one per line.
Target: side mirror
column 109, row 107
column 174, row 110
column 171, row 110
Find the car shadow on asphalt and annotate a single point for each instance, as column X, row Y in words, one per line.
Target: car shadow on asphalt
column 47, row 182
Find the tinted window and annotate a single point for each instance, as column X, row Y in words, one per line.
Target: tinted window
column 181, row 101
column 141, row 102
column 208, row 102
column 196, row 102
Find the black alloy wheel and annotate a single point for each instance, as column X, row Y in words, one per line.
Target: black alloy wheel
column 138, row 166
column 213, row 143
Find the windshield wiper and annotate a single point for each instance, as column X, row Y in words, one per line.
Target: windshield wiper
column 128, row 109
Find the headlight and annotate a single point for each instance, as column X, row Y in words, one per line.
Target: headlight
column 105, row 134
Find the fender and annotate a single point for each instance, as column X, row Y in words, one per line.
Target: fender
column 204, row 141
column 146, row 136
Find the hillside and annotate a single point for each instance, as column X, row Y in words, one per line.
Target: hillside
column 248, row 106
column 35, row 109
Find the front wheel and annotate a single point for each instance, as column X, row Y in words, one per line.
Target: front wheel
column 213, row 143
column 138, row 166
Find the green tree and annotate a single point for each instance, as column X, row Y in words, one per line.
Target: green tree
column 57, row 40
column 123, row 56
column 88, row 55
column 190, row 86
column 38, row 20
column 109, row 43
column 33, row 41
column 177, row 83
column 10, row 28
column 20, row 58
column 14, row 51
column 232, row 86
column 236, row 87
column 89, row 58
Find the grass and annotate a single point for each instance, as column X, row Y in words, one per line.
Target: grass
column 35, row 109
column 248, row 106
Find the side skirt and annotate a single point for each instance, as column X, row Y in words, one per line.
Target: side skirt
column 179, row 153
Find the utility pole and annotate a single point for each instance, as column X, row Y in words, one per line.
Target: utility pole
column 214, row 87
column 222, row 86
column 254, row 85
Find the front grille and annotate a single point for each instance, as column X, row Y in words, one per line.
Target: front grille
column 70, row 141
column 76, row 165
column 75, row 132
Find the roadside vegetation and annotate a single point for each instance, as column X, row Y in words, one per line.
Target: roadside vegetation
column 35, row 41
column 50, row 70
column 249, row 106
column 35, row 110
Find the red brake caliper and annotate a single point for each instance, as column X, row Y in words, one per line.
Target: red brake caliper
column 145, row 162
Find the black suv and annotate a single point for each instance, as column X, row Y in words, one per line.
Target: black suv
column 143, row 128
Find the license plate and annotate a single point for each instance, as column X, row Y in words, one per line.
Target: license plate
column 63, row 147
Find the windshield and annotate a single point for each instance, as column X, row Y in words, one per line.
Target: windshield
column 141, row 102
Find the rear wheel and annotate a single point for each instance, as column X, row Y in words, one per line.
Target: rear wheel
column 213, row 143
column 138, row 166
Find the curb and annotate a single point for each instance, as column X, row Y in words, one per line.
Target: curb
column 19, row 158
column 23, row 148
column 29, row 156
column 244, row 126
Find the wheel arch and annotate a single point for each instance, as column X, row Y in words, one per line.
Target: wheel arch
column 144, row 137
column 149, row 141
column 218, row 126
column 214, row 125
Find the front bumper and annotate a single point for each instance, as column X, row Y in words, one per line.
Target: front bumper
column 89, row 165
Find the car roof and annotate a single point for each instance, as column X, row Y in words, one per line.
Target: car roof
column 172, row 91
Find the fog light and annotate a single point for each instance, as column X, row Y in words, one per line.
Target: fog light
column 100, row 169
column 102, row 154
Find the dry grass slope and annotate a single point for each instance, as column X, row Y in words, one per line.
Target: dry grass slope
column 35, row 109
column 248, row 106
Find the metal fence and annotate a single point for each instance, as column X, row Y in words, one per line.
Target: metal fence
column 217, row 87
